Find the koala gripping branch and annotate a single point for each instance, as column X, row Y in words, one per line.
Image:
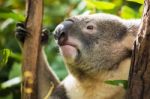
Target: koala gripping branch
column 31, row 48
column 139, row 77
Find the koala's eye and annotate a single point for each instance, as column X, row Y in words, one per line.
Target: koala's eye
column 90, row 27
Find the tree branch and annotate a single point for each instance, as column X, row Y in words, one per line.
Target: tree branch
column 31, row 49
column 139, row 77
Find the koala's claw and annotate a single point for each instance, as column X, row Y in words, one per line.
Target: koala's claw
column 21, row 33
column 45, row 36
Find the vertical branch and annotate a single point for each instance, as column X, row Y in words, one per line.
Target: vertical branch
column 31, row 48
column 139, row 77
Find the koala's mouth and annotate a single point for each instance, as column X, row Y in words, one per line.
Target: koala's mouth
column 69, row 50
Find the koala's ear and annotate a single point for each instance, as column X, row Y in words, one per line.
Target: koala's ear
column 132, row 30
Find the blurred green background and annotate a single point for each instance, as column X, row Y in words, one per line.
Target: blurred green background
column 55, row 11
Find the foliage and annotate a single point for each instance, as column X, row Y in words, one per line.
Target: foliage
column 138, row 1
column 4, row 54
column 123, row 83
column 55, row 11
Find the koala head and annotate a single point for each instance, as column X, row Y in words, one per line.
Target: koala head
column 93, row 43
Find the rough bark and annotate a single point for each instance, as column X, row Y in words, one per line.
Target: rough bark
column 139, row 77
column 31, row 49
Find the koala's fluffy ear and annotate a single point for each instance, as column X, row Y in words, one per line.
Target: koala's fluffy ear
column 132, row 30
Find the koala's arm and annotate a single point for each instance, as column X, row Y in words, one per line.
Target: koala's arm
column 46, row 77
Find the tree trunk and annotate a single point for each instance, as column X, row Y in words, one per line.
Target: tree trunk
column 31, row 49
column 139, row 77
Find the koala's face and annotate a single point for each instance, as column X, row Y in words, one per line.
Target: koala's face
column 93, row 42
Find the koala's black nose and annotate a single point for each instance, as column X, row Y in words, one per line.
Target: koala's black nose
column 61, row 31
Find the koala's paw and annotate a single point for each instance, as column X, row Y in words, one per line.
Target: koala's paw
column 45, row 36
column 22, row 33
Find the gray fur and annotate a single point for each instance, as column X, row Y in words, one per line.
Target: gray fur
column 101, row 49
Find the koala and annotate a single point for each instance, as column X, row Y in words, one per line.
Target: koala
column 95, row 48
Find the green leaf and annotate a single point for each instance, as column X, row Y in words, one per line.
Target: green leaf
column 101, row 5
column 5, row 25
column 5, row 10
column 117, row 3
column 141, row 10
column 89, row 4
column 10, row 83
column 11, row 15
column 15, row 71
column 7, row 13
column 128, row 13
column 16, row 56
column 9, row 96
column 4, row 54
column 137, row 1
column 123, row 83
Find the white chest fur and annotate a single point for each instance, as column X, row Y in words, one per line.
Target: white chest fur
column 98, row 89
